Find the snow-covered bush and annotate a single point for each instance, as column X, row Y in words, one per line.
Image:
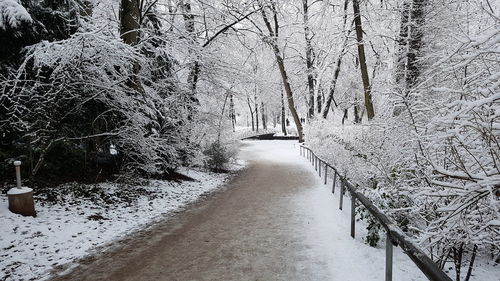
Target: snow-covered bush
column 433, row 166
column 75, row 91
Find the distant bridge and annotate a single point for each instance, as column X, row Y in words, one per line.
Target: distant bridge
column 270, row 136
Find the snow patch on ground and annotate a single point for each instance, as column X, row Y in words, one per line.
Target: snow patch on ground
column 66, row 231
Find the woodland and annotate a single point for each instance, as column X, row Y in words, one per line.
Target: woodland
column 402, row 96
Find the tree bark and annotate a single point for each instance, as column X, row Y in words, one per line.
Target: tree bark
column 130, row 15
column 129, row 21
column 194, row 65
column 401, row 55
column 232, row 113
column 309, row 59
column 362, row 61
column 319, row 100
column 415, row 41
column 283, row 122
column 263, row 114
column 256, row 107
column 251, row 112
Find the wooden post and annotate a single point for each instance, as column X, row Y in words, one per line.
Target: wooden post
column 334, row 180
column 353, row 215
column 326, row 172
column 388, row 258
column 341, row 201
column 17, row 164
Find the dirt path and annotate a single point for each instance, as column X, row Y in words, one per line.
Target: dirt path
column 254, row 230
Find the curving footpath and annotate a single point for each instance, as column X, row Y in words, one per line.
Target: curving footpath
column 274, row 221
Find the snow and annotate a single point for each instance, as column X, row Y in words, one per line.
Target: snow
column 12, row 14
column 328, row 233
column 16, row 191
column 64, row 232
column 67, row 231
column 329, row 230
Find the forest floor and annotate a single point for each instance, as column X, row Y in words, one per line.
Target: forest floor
column 76, row 220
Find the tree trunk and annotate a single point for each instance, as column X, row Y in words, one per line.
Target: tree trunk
column 194, row 66
column 283, row 124
column 471, row 263
column 251, row 113
column 263, row 113
column 129, row 32
column 415, row 41
column 401, row 55
column 319, row 100
column 309, row 60
column 256, row 107
column 346, row 115
column 362, row 61
column 232, row 114
column 129, row 21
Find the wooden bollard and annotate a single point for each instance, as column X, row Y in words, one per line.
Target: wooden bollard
column 21, row 198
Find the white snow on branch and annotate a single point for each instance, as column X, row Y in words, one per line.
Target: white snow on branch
column 12, row 14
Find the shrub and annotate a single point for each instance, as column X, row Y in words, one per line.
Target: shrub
column 217, row 157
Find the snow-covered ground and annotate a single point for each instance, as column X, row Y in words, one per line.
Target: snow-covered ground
column 328, row 233
column 71, row 228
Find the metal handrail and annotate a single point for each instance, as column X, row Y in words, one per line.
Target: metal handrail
column 395, row 236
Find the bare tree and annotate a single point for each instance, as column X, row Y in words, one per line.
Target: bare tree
column 272, row 40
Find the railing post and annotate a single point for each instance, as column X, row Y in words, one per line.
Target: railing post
column 388, row 258
column 326, row 171
column 334, row 180
column 316, row 162
column 319, row 167
column 353, row 215
column 341, row 201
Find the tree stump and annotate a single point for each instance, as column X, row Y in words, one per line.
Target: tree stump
column 21, row 201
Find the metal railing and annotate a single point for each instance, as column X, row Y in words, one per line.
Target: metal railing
column 395, row 236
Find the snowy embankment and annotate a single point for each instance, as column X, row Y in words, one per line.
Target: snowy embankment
column 93, row 215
